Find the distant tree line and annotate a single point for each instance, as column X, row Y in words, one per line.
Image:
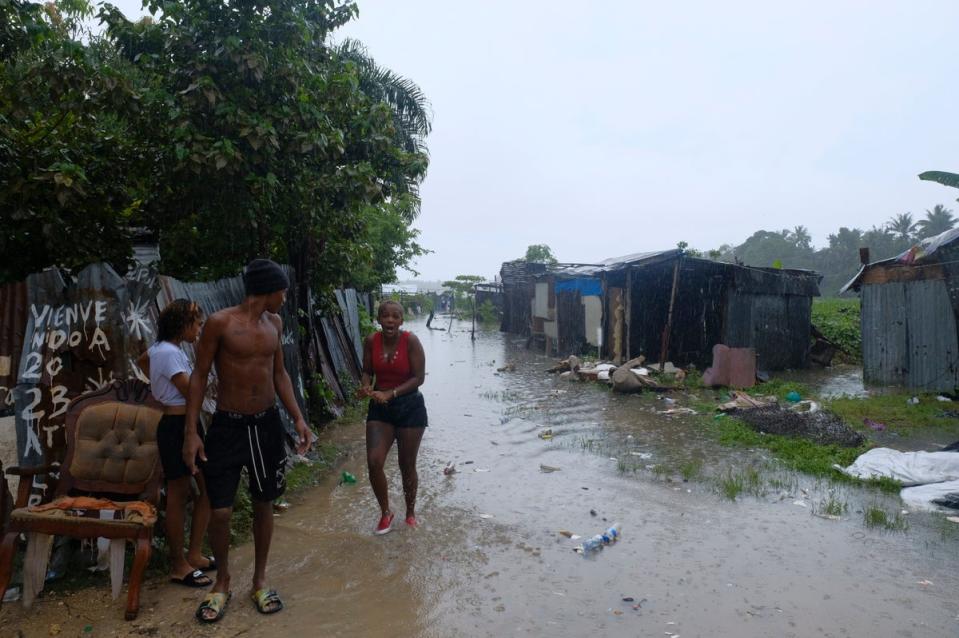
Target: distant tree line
column 839, row 260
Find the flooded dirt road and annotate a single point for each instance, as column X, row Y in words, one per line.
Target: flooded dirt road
column 488, row 559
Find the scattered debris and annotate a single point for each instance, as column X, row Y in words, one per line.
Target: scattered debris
column 873, row 425
column 953, row 519
column 546, row 434
column 913, row 401
column 793, row 397
column 677, row 411
column 347, row 478
column 943, row 399
column 450, row 469
column 481, row 469
column 741, row 401
column 486, row 516
column 509, row 367
column 547, row 469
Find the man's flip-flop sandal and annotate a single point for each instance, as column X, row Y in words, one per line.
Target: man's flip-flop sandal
column 267, row 601
column 196, row 578
column 216, row 602
column 210, row 565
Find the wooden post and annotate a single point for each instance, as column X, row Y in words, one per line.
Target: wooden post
column 664, row 350
column 864, row 256
column 629, row 311
column 473, row 329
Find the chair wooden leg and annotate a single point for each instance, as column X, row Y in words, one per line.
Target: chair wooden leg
column 6, row 561
column 140, row 560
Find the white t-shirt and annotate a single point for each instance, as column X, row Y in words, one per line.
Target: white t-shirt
column 166, row 361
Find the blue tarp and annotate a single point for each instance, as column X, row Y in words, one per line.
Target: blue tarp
column 586, row 287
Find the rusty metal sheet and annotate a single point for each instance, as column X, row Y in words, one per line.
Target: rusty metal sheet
column 13, row 327
column 81, row 335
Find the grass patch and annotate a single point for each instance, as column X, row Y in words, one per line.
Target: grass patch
column 735, row 482
column 875, row 516
column 691, row 469
column 831, row 506
column 893, row 411
column 838, row 320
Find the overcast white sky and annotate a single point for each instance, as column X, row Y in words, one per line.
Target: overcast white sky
column 613, row 127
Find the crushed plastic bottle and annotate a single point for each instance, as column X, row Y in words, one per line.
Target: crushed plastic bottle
column 596, row 543
column 347, row 478
column 590, row 545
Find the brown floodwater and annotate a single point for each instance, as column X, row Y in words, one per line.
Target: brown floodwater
column 488, row 558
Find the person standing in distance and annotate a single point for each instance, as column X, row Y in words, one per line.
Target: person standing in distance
column 244, row 342
column 395, row 359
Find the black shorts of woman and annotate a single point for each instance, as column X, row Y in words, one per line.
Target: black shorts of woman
column 394, row 367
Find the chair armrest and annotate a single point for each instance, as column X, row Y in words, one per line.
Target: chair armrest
column 31, row 471
column 26, row 475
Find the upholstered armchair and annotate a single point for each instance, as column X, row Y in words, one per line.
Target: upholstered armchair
column 109, row 485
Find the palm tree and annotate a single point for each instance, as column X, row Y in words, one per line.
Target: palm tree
column 938, row 220
column 801, row 237
column 902, row 226
column 411, row 110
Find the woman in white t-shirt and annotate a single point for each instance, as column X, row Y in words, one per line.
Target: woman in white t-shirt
column 169, row 370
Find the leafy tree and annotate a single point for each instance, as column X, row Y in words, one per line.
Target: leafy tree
column 902, row 225
column 540, row 254
column 68, row 163
column 800, row 237
column 462, row 289
column 264, row 143
column 938, row 220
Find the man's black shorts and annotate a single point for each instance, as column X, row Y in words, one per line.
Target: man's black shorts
column 253, row 441
column 170, row 444
column 405, row 411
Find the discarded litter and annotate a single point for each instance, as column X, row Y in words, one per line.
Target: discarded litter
column 943, row 399
column 11, row 595
column 924, row 583
column 281, row 506
column 592, row 512
column 546, row 434
column 486, row 516
column 566, row 533
column 597, row 542
column 800, row 504
column 828, row 517
column 548, row 468
column 913, row 401
column 628, row 599
column 873, row 425
column 793, row 397
column 642, row 455
column 347, row 478
column 449, row 469
column 481, row 469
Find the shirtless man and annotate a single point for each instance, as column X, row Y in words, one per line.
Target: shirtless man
column 244, row 342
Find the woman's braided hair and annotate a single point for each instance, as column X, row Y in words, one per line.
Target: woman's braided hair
column 176, row 318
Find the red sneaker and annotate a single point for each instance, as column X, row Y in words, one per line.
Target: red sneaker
column 411, row 521
column 386, row 524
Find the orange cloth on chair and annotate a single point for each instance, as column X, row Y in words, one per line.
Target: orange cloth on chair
column 144, row 510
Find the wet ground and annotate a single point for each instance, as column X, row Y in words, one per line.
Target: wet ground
column 488, row 559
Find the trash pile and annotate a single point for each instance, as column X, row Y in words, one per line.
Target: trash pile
column 818, row 426
column 632, row 376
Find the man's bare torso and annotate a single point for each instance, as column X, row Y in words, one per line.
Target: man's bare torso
column 245, row 359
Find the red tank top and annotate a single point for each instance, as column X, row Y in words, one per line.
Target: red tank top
column 392, row 372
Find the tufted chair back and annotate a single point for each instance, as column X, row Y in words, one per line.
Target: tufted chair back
column 111, row 443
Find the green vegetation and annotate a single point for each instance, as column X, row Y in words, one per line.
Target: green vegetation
column 691, row 469
column 831, row 506
column 893, row 411
column 838, row 320
column 876, row 517
column 487, row 313
column 735, row 482
column 540, row 254
column 241, row 129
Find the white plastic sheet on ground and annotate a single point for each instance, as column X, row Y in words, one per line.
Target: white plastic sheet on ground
column 909, row 468
column 923, row 497
column 930, row 475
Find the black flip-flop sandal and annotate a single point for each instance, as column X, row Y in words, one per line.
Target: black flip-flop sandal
column 210, row 565
column 193, row 579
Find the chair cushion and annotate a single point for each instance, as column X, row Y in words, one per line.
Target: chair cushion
column 74, row 521
column 116, row 443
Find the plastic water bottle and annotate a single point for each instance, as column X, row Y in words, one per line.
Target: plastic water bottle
column 611, row 535
column 591, row 545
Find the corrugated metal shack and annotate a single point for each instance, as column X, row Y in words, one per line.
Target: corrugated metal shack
column 668, row 304
column 908, row 316
column 677, row 307
column 62, row 336
column 517, row 277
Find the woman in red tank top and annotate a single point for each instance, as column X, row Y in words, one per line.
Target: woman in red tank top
column 394, row 367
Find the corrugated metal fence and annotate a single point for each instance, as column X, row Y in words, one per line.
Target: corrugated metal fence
column 61, row 337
